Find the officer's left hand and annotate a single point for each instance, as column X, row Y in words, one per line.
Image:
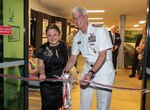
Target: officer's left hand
column 85, row 80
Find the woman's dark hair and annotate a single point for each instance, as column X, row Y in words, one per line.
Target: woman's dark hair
column 30, row 46
column 52, row 26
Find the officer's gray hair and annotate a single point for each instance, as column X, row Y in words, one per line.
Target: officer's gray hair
column 79, row 9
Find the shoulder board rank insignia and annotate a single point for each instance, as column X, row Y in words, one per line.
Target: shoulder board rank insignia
column 97, row 25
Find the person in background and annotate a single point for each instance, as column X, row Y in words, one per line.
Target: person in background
column 52, row 58
column 95, row 46
column 71, row 36
column 69, row 43
column 73, row 71
column 32, row 66
column 116, row 41
column 138, row 53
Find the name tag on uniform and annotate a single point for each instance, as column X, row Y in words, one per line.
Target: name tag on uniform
column 79, row 42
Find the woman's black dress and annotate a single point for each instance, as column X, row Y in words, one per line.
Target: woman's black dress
column 55, row 59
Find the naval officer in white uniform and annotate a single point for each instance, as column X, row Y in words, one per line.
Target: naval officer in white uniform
column 95, row 45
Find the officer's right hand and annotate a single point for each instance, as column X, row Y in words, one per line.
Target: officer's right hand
column 86, row 79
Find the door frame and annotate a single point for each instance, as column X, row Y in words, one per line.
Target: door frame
column 20, row 62
column 146, row 68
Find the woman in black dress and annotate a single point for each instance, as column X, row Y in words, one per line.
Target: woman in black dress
column 52, row 58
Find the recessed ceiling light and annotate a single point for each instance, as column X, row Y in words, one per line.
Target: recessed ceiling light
column 136, row 25
column 95, row 18
column 147, row 9
column 95, row 11
column 142, row 22
column 97, row 22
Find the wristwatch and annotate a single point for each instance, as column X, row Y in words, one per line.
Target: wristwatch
column 93, row 73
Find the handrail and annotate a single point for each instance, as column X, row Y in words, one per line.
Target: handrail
column 11, row 64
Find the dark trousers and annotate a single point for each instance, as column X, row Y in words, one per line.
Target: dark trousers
column 115, row 60
column 140, row 68
column 135, row 63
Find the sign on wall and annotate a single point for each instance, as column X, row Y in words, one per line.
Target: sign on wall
column 5, row 30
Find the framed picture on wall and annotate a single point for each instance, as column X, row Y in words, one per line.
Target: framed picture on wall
column 131, row 35
column 44, row 40
column 45, row 24
column 15, row 36
column 59, row 24
column 68, row 28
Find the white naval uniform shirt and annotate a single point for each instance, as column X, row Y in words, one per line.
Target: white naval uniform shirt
column 90, row 44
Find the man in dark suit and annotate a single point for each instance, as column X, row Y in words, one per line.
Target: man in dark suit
column 135, row 57
column 137, row 52
column 116, row 41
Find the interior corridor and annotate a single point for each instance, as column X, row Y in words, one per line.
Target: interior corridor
column 121, row 99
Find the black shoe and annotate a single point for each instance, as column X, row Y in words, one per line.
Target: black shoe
column 131, row 76
column 140, row 78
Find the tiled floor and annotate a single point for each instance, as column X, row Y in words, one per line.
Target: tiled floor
column 121, row 99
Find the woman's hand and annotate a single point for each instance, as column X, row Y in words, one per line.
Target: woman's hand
column 64, row 71
column 42, row 77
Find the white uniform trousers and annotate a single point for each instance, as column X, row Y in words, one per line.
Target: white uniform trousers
column 103, row 96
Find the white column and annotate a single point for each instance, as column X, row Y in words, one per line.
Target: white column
column 122, row 35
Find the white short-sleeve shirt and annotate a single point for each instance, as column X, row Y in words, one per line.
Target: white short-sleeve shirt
column 90, row 44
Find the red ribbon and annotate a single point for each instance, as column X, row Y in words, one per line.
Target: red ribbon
column 61, row 79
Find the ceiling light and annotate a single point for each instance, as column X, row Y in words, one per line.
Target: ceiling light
column 136, row 25
column 97, row 22
column 95, row 11
column 147, row 9
column 95, row 18
column 142, row 22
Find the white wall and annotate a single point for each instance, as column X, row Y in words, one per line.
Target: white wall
column 37, row 5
